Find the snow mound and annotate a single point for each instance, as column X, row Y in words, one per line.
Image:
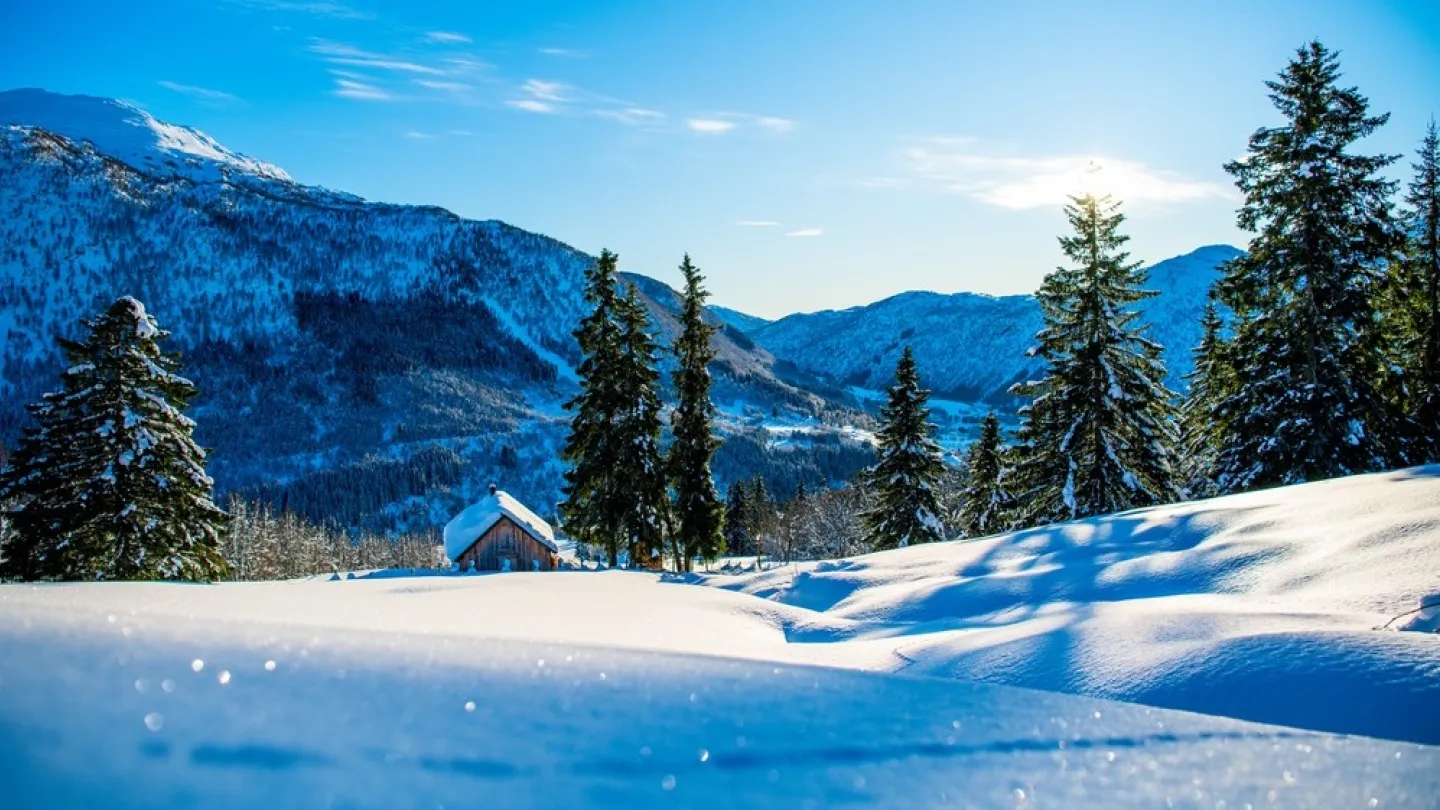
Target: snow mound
column 129, row 134
column 153, row 695
column 1264, row 606
column 466, row 527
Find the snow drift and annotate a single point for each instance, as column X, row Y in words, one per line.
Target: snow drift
column 1261, row 606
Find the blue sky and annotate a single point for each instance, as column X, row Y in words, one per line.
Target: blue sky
column 809, row 154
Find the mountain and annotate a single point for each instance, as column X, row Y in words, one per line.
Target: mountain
column 973, row 347
column 360, row 362
column 738, row 319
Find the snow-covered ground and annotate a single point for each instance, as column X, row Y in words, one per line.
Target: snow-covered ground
column 635, row 690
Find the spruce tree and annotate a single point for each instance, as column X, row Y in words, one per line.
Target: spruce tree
column 596, row 499
column 761, row 518
column 909, row 468
column 1096, row 437
column 640, row 469
column 737, row 513
column 984, row 505
column 1412, row 308
column 699, row 515
column 109, row 483
column 1210, row 382
column 1306, row 400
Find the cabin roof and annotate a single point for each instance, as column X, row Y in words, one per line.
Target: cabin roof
column 468, row 526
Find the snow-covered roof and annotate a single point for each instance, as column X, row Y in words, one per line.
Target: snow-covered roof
column 465, row 528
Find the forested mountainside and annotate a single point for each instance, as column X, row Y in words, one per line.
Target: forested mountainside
column 972, row 347
column 370, row 363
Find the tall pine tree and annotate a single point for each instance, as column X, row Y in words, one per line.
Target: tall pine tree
column 737, row 514
column 109, row 483
column 984, row 505
column 699, row 515
column 1305, row 400
column 640, row 469
column 1412, row 308
column 595, row 503
column 1210, row 382
column 904, row 479
column 1096, row 437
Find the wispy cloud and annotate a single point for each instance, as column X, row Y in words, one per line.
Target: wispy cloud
column 204, row 94
column 415, row 135
column 774, row 124
column 543, row 90
column 757, row 223
column 565, row 52
column 807, row 232
column 713, row 126
column 321, row 8
column 349, row 88
column 963, row 166
column 728, row 121
column 633, row 116
column 449, row 87
column 337, row 53
column 530, row 105
column 447, row 38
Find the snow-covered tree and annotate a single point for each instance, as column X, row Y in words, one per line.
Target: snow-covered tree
column 1411, row 306
column 699, row 514
column 984, row 505
column 109, row 483
column 905, row 477
column 595, row 498
column 1210, row 382
column 640, row 469
column 1305, row 352
column 1096, row 437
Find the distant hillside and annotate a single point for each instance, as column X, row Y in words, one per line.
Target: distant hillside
column 739, row 320
column 372, row 363
column 972, row 347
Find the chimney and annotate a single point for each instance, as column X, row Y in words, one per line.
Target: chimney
column 492, row 490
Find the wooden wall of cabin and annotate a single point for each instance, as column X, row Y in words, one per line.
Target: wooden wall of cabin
column 507, row 540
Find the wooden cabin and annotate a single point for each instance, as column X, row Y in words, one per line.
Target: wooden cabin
column 500, row 534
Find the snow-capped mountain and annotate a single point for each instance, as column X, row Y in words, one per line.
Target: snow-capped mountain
column 377, row 362
column 972, row 347
column 129, row 134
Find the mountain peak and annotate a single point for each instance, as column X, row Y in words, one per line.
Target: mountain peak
column 128, row 133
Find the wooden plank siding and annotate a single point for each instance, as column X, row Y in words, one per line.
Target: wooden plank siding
column 507, row 541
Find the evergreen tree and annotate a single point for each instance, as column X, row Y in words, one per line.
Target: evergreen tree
column 1305, row 401
column 909, row 468
column 640, row 468
column 760, row 521
column 1096, row 437
column 109, row 483
column 1210, row 382
column 698, row 512
column 737, row 513
column 1412, row 308
column 984, row 505
column 595, row 497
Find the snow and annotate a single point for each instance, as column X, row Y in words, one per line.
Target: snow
column 1262, row 606
column 488, row 691
column 129, row 134
column 466, row 527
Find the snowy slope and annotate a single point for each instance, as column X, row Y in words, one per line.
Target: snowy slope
column 130, row 134
column 275, row 695
column 740, row 320
column 972, row 347
column 368, row 362
column 1260, row 606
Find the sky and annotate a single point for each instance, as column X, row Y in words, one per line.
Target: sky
column 808, row 154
